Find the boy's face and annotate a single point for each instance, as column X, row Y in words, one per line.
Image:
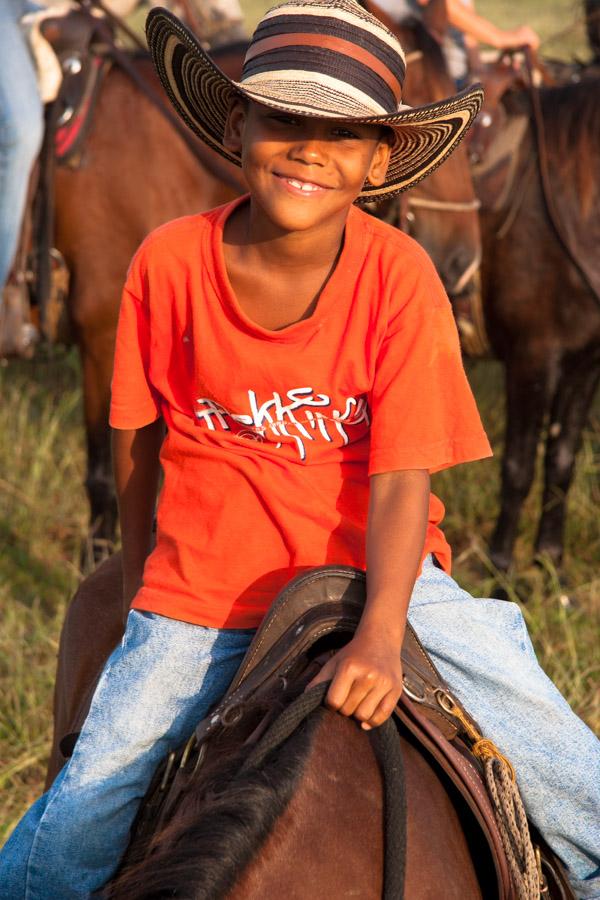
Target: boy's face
column 303, row 171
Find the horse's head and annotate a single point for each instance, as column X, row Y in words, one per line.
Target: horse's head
column 442, row 212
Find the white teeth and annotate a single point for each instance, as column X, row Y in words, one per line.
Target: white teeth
column 302, row 185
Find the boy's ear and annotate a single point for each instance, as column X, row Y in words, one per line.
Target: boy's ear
column 379, row 163
column 234, row 126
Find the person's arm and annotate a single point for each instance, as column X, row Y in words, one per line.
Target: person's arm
column 482, row 30
column 136, row 469
column 367, row 673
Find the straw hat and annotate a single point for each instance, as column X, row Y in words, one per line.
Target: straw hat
column 326, row 58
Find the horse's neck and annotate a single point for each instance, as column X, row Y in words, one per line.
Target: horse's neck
column 334, row 816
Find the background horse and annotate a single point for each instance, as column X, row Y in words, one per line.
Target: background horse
column 542, row 313
column 138, row 173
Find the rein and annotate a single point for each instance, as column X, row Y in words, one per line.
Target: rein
column 386, row 747
column 407, row 202
column 445, row 205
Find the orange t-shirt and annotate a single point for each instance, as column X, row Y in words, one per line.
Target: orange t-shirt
column 272, row 435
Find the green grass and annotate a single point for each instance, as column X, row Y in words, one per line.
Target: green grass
column 42, row 524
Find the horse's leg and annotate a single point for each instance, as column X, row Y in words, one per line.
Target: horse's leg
column 570, row 408
column 527, row 396
column 97, row 350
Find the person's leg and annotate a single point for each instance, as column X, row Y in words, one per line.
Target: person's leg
column 156, row 686
column 483, row 650
column 21, row 129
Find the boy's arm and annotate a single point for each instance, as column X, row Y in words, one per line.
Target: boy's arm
column 367, row 673
column 482, row 30
column 136, row 468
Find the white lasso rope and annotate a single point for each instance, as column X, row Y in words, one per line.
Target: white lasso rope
column 514, row 829
column 508, row 806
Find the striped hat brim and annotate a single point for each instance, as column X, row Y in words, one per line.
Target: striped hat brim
column 201, row 93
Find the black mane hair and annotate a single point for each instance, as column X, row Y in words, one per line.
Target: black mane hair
column 218, row 828
column 572, row 110
column 571, row 114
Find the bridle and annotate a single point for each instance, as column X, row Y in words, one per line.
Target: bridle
column 406, row 204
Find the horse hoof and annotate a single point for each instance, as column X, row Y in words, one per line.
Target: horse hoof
column 501, row 561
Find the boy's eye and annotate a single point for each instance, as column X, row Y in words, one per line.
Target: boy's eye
column 285, row 119
column 344, row 133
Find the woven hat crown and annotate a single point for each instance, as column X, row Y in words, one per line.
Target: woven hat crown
column 326, row 57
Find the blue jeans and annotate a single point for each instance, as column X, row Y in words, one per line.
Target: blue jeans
column 21, row 127
column 166, row 674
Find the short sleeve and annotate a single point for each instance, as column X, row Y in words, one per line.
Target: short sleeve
column 134, row 403
column 423, row 412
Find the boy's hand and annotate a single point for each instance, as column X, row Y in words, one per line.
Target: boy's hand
column 366, row 679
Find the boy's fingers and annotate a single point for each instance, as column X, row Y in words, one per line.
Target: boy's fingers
column 357, row 695
column 382, row 713
column 340, row 691
column 367, row 707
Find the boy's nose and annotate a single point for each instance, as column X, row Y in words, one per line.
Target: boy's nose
column 310, row 151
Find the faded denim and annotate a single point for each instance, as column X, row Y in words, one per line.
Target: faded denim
column 21, row 127
column 155, row 688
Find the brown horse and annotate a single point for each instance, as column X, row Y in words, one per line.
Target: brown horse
column 541, row 291
column 138, row 173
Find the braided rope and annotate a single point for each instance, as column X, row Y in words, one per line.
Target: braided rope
column 513, row 827
column 508, row 807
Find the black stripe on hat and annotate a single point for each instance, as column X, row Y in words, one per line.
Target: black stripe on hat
column 338, row 28
column 325, row 62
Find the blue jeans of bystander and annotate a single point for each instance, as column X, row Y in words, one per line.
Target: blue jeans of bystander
column 21, row 127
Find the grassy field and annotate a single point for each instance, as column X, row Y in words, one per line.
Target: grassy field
column 43, row 522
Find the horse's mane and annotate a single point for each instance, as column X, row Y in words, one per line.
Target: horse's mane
column 571, row 115
column 218, row 827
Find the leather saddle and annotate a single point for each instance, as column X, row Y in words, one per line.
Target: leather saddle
column 78, row 39
column 312, row 617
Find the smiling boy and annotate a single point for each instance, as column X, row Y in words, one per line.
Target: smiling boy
column 304, row 359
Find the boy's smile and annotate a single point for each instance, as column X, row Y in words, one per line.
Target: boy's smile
column 304, row 173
